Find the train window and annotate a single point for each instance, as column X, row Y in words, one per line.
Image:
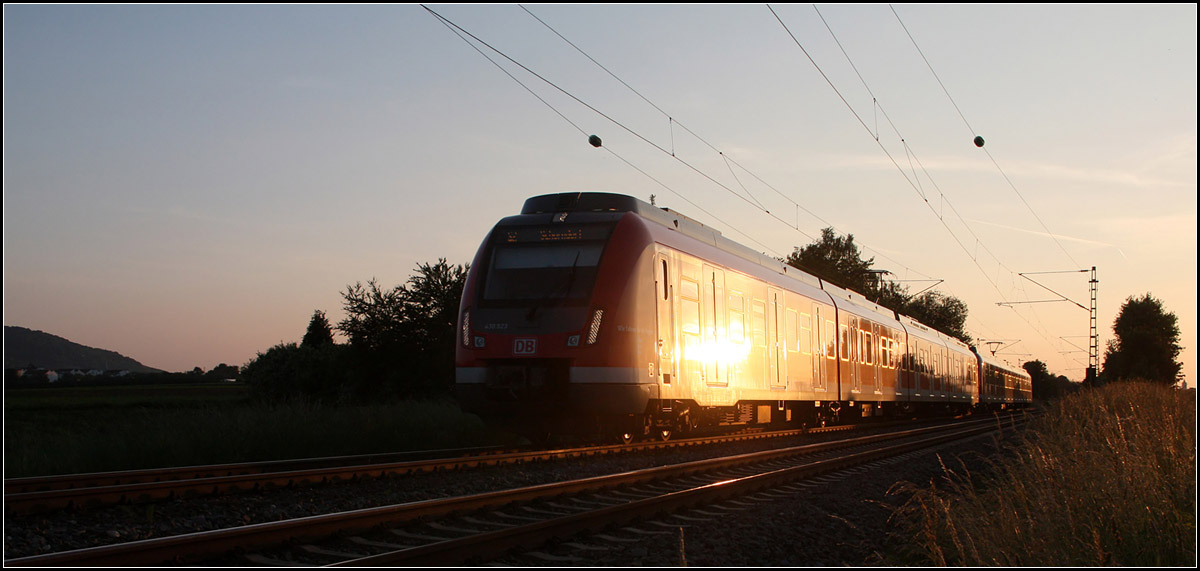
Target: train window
column 869, row 348
column 689, row 289
column 737, row 318
column 689, row 317
column 844, row 333
column 666, row 284
column 758, row 322
column 791, row 323
column 830, row 351
column 806, row 336
column 539, row 271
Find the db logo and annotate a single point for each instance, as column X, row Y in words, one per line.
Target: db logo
column 524, row 346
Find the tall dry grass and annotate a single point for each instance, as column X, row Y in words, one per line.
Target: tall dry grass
column 1104, row 477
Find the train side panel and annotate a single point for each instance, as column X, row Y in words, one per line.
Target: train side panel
column 593, row 311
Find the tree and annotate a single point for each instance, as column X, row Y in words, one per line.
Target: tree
column 834, row 259
column 374, row 316
column 1146, row 343
column 403, row 338
column 837, row 260
column 319, row 332
column 945, row 313
column 1045, row 384
column 288, row 372
column 222, row 372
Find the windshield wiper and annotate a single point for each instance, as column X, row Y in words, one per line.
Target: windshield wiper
column 565, row 288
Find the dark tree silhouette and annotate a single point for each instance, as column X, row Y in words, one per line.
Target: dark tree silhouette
column 837, row 260
column 1045, row 384
column 403, row 338
column 319, row 331
column 1146, row 343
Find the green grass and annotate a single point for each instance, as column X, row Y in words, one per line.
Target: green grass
column 63, row 431
column 1104, row 477
column 123, row 396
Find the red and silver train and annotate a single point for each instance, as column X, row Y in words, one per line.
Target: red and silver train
column 599, row 314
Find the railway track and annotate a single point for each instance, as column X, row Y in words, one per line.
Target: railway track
column 39, row 494
column 483, row 526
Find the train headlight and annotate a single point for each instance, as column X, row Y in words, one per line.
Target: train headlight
column 466, row 328
column 594, row 330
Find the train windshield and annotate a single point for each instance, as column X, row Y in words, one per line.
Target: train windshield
column 537, row 265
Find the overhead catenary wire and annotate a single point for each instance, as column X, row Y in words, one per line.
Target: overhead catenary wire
column 463, row 34
column 1008, row 180
column 605, row 116
column 752, row 200
column 673, row 121
column 913, row 181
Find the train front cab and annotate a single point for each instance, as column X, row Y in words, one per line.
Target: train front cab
column 553, row 330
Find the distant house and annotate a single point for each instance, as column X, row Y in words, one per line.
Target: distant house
column 51, row 376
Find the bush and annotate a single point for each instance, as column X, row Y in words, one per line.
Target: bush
column 288, row 372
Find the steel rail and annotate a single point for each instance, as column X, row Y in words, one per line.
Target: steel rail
column 90, row 490
column 491, row 544
column 112, row 478
column 194, row 547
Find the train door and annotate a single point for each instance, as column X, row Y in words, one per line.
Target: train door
column 854, row 352
column 759, row 359
column 923, row 370
column 776, row 352
column 714, row 325
column 935, row 354
column 797, row 342
column 664, row 296
column 876, row 358
column 821, row 350
column 691, row 366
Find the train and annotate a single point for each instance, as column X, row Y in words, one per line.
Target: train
column 599, row 315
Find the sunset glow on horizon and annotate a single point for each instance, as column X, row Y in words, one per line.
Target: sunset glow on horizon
column 185, row 185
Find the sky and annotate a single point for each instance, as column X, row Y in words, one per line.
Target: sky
column 186, row 185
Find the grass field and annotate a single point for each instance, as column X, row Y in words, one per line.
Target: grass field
column 90, row 429
column 1106, row 477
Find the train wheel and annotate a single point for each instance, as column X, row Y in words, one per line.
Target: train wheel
column 626, row 438
column 664, row 434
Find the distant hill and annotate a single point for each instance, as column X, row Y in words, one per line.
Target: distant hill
column 26, row 348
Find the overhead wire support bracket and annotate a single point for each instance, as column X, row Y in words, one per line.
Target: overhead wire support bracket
column 1094, row 345
column 935, row 284
column 1064, row 298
